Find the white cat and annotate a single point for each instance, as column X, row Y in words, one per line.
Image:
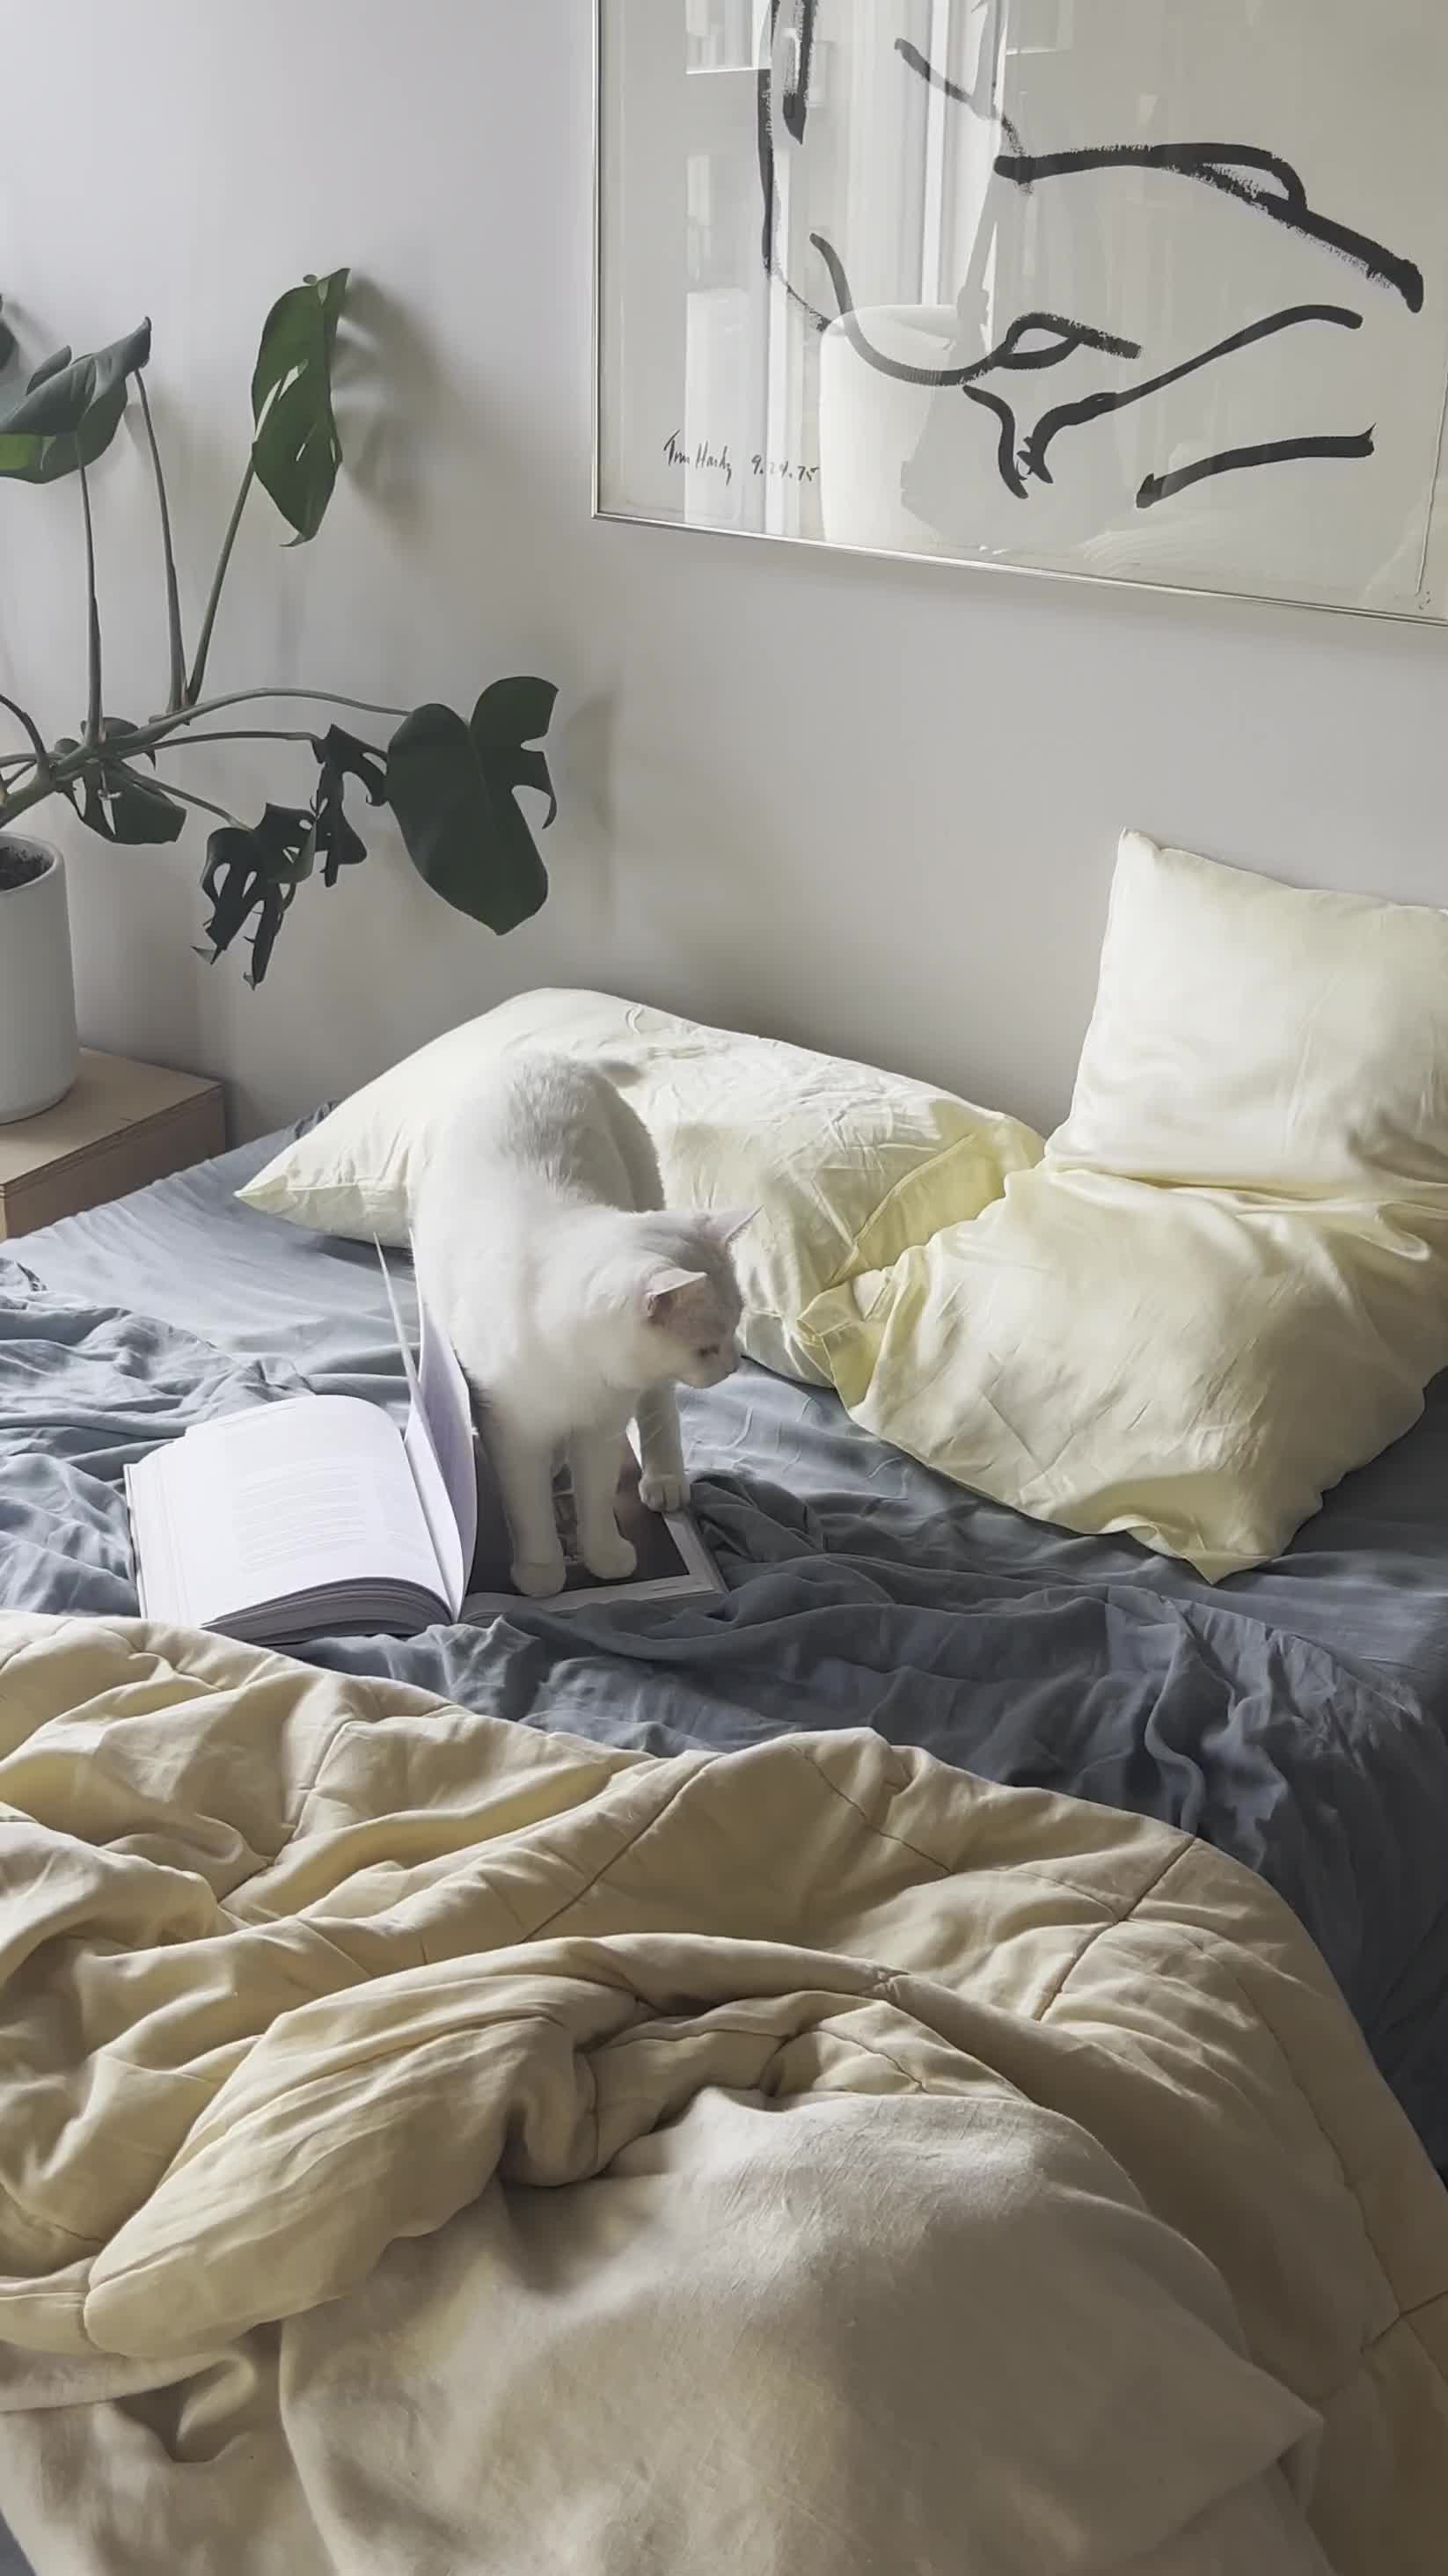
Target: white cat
column 573, row 1298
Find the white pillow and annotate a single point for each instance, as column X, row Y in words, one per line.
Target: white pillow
column 846, row 1165
column 1252, row 1036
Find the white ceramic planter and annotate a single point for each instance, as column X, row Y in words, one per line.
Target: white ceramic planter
column 39, row 1055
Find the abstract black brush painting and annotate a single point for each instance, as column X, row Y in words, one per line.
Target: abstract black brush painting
column 1132, row 288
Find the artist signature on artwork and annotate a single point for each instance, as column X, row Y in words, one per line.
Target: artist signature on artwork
column 703, row 458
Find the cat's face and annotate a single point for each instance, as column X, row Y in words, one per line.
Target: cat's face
column 693, row 1325
column 691, row 1308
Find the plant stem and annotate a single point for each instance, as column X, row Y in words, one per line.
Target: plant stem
column 42, row 759
column 157, row 736
column 13, row 770
column 184, row 796
column 177, row 697
column 261, row 733
column 24, row 797
column 150, row 737
column 93, row 637
column 198, row 668
column 318, row 698
column 161, row 730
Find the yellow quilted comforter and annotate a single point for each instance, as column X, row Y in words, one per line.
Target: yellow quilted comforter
column 430, row 2145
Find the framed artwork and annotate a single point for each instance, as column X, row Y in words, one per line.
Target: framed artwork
column 1142, row 290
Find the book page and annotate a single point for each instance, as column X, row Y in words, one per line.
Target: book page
column 438, row 1443
column 649, row 1533
column 446, row 1409
column 673, row 1562
column 315, row 1491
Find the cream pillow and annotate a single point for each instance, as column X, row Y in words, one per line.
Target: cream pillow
column 848, row 1166
column 1190, row 1367
column 1255, row 1037
column 1227, row 1282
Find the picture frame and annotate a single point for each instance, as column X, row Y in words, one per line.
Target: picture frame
column 983, row 285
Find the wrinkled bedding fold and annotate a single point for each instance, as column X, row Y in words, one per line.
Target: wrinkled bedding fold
column 431, row 2136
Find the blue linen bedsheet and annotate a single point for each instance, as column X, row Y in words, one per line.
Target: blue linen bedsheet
column 1294, row 1716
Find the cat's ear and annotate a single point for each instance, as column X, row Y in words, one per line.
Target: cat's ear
column 725, row 1225
column 665, row 1285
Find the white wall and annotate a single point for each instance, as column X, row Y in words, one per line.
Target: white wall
column 866, row 805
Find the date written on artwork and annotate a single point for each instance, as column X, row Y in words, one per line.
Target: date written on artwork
column 704, row 459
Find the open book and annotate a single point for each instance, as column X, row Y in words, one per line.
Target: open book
column 316, row 1516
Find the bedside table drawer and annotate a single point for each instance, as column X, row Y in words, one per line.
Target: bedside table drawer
column 121, row 1127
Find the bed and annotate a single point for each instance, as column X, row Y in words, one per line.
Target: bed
column 1294, row 1717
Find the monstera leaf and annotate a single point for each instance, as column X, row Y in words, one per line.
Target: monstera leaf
column 51, row 366
column 452, row 788
column 120, row 805
column 341, row 756
column 257, row 869
column 296, row 450
column 70, row 411
column 454, row 785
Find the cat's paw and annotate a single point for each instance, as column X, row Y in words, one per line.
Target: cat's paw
column 539, row 1577
column 610, row 1557
column 663, row 1493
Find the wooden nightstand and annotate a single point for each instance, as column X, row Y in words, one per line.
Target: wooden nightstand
column 123, row 1125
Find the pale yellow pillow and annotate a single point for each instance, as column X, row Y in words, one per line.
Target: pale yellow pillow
column 1191, row 1367
column 847, row 1166
column 1256, row 1036
column 1226, row 1284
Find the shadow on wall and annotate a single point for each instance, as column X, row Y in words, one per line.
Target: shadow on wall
column 396, row 402
column 428, row 450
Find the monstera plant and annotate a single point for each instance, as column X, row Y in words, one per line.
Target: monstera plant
column 450, row 781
